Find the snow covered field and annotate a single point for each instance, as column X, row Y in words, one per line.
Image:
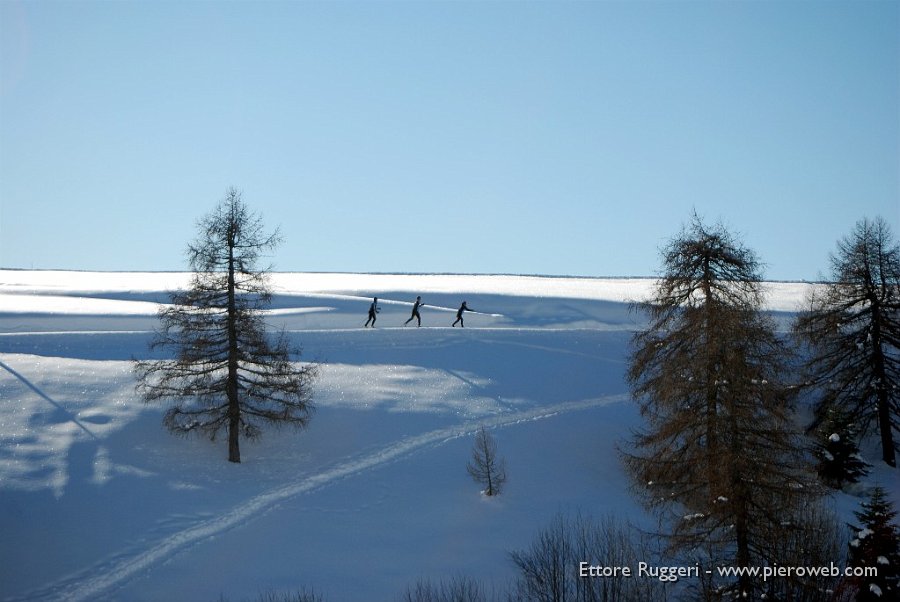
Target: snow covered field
column 98, row 501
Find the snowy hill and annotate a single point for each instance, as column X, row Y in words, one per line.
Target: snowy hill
column 98, row 501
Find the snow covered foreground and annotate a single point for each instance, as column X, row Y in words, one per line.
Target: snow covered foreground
column 98, row 501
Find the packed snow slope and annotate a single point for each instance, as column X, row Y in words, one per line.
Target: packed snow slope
column 99, row 502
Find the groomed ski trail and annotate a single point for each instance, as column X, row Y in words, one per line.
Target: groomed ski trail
column 114, row 572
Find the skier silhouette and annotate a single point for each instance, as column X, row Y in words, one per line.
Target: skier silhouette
column 415, row 312
column 459, row 315
column 373, row 309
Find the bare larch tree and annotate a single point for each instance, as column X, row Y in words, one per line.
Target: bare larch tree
column 853, row 329
column 486, row 468
column 226, row 373
column 718, row 458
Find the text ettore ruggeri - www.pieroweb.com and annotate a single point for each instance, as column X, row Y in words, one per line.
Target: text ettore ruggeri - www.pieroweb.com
column 673, row 573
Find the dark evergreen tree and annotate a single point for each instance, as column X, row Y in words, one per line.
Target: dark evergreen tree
column 837, row 452
column 876, row 544
column 853, row 330
column 226, row 373
column 719, row 458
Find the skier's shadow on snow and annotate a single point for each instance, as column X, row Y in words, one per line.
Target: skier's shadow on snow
column 60, row 414
column 476, row 386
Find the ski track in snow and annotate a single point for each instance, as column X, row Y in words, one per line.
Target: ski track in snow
column 114, row 572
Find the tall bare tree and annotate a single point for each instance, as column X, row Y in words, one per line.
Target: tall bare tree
column 853, row 329
column 226, row 373
column 486, row 467
column 718, row 458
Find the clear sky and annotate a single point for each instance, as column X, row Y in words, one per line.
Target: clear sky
column 568, row 138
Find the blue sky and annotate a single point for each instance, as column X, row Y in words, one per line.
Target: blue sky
column 569, row 138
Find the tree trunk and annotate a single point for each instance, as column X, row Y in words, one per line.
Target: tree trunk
column 742, row 557
column 884, row 423
column 712, row 396
column 881, row 391
column 742, row 497
column 234, row 408
column 490, row 490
